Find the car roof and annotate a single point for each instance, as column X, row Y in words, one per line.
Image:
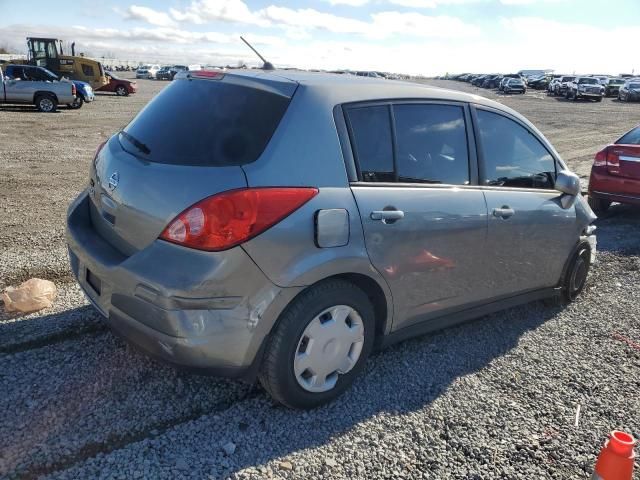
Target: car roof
column 340, row 89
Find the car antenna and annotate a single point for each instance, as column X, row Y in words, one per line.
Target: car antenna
column 265, row 64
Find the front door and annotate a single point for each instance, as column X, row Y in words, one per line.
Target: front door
column 530, row 235
column 424, row 221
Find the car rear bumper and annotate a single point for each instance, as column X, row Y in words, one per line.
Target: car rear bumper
column 212, row 315
column 614, row 188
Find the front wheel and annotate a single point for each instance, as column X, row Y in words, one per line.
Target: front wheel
column 320, row 344
column 121, row 91
column 576, row 275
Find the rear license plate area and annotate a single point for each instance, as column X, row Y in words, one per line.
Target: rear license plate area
column 94, row 282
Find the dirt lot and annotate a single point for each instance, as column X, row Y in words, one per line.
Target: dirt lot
column 495, row 398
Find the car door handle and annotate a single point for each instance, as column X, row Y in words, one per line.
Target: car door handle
column 504, row 212
column 387, row 215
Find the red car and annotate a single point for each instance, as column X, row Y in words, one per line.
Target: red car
column 120, row 86
column 615, row 175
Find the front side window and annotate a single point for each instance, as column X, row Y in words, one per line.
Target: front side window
column 513, row 156
column 371, row 140
column 431, row 144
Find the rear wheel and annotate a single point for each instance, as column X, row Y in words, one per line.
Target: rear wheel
column 46, row 103
column 77, row 103
column 599, row 205
column 576, row 276
column 319, row 346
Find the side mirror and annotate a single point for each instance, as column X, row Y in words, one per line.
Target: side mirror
column 568, row 182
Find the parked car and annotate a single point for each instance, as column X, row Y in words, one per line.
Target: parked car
column 506, row 78
column 552, row 84
column 612, row 87
column 615, row 174
column 477, row 82
column 84, row 92
column 539, row 83
column 120, row 86
column 23, row 84
column 630, row 91
column 294, row 271
column 492, row 81
column 514, row 85
column 147, row 71
column 164, row 73
column 173, row 71
column 585, row 87
column 561, row 86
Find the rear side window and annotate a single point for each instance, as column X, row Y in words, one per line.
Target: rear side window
column 512, row 156
column 371, row 139
column 431, row 144
column 205, row 123
column 631, row 138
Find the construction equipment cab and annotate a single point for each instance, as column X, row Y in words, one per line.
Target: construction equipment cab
column 48, row 53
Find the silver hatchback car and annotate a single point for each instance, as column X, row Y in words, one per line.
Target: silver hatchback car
column 282, row 224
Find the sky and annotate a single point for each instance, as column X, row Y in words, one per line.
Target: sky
column 427, row 37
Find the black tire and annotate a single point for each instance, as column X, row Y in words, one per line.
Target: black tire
column 599, row 205
column 599, row 99
column 121, row 91
column 576, row 275
column 46, row 102
column 276, row 372
column 77, row 103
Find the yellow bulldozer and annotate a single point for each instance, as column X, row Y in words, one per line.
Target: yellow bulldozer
column 48, row 53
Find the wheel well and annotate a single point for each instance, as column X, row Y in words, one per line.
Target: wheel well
column 375, row 293
column 48, row 94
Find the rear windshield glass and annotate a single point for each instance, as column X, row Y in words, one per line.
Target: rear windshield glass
column 588, row 81
column 631, row 138
column 205, row 123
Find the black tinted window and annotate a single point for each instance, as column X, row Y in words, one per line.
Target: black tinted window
column 87, row 70
column 631, row 138
column 512, row 156
column 205, row 122
column 371, row 139
column 431, row 144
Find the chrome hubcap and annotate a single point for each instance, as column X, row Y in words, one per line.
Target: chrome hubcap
column 329, row 346
column 46, row 104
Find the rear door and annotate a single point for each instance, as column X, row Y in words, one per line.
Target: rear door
column 424, row 219
column 530, row 234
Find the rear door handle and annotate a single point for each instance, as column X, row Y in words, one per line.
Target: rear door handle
column 386, row 215
column 504, row 212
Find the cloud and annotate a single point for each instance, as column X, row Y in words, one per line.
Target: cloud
column 432, row 3
column 350, row 3
column 148, row 15
column 204, row 11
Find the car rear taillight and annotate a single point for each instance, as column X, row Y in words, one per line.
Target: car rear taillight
column 608, row 157
column 230, row 218
column 212, row 74
column 74, row 91
column 601, row 158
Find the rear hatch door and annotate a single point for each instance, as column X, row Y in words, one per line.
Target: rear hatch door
column 187, row 144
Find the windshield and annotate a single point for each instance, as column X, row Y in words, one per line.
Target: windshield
column 588, row 81
column 616, row 81
column 113, row 75
column 634, row 85
column 568, row 79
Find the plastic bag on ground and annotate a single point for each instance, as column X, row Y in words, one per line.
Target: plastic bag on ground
column 30, row 296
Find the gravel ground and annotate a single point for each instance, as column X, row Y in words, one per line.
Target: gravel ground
column 495, row 398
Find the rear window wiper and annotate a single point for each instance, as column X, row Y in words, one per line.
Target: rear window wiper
column 135, row 142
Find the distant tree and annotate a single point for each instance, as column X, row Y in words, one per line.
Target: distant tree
column 4, row 50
